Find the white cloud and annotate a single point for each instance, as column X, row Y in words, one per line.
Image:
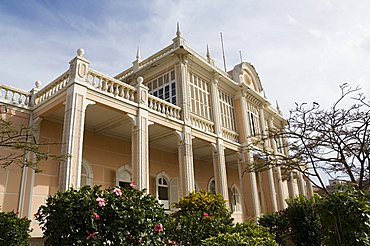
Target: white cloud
column 301, row 50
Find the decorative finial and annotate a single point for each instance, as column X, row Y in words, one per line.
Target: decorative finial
column 38, row 84
column 80, row 52
column 140, row 80
column 277, row 107
column 138, row 53
column 178, row 33
column 208, row 54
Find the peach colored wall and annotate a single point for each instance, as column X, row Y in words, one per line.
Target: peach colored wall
column 105, row 155
column 46, row 182
column 10, row 177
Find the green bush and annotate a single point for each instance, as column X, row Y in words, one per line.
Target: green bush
column 304, row 221
column 91, row 216
column 247, row 233
column 345, row 217
column 14, row 231
column 201, row 215
column 278, row 224
column 298, row 224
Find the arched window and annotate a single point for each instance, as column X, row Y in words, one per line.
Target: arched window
column 212, row 186
column 86, row 174
column 123, row 177
column 235, row 199
column 163, row 190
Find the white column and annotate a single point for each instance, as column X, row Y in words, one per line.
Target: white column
column 139, row 139
column 280, row 193
column 270, row 174
column 185, row 150
column 291, row 184
column 73, row 126
column 219, row 163
column 186, row 166
column 248, row 182
column 219, row 169
column 28, row 175
column 301, row 184
column 309, row 188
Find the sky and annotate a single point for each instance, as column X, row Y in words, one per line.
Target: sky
column 302, row 50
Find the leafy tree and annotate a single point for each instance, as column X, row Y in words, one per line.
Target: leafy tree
column 14, row 231
column 332, row 142
column 201, row 215
column 19, row 142
column 345, row 217
column 92, row 216
column 247, row 233
column 304, row 221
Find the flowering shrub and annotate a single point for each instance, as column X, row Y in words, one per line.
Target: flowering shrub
column 201, row 215
column 247, row 233
column 14, row 231
column 92, row 216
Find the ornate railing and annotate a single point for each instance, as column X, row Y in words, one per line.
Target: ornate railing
column 202, row 124
column 164, row 107
column 230, row 135
column 52, row 88
column 112, row 86
column 14, row 96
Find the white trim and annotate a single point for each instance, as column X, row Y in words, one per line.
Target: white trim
column 125, row 168
column 235, row 207
column 209, row 185
column 163, row 174
column 89, row 173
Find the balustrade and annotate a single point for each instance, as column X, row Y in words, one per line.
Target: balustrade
column 202, row 124
column 14, row 96
column 164, row 107
column 230, row 135
column 52, row 89
column 111, row 86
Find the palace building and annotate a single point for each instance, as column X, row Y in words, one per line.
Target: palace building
column 173, row 123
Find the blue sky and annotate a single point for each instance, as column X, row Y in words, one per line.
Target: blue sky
column 302, row 50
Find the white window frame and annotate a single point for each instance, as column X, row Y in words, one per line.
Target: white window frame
column 119, row 177
column 200, row 97
column 254, row 119
column 159, row 83
column 89, row 173
column 235, row 199
column 227, row 110
column 165, row 203
column 209, row 186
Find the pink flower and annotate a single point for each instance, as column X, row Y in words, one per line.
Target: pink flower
column 90, row 235
column 96, row 216
column 205, row 214
column 158, row 228
column 117, row 191
column 132, row 185
column 101, row 201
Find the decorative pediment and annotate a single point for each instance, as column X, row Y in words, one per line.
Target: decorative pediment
column 245, row 73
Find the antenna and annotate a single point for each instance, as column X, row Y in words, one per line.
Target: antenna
column 223, row 51
column 240, row 55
